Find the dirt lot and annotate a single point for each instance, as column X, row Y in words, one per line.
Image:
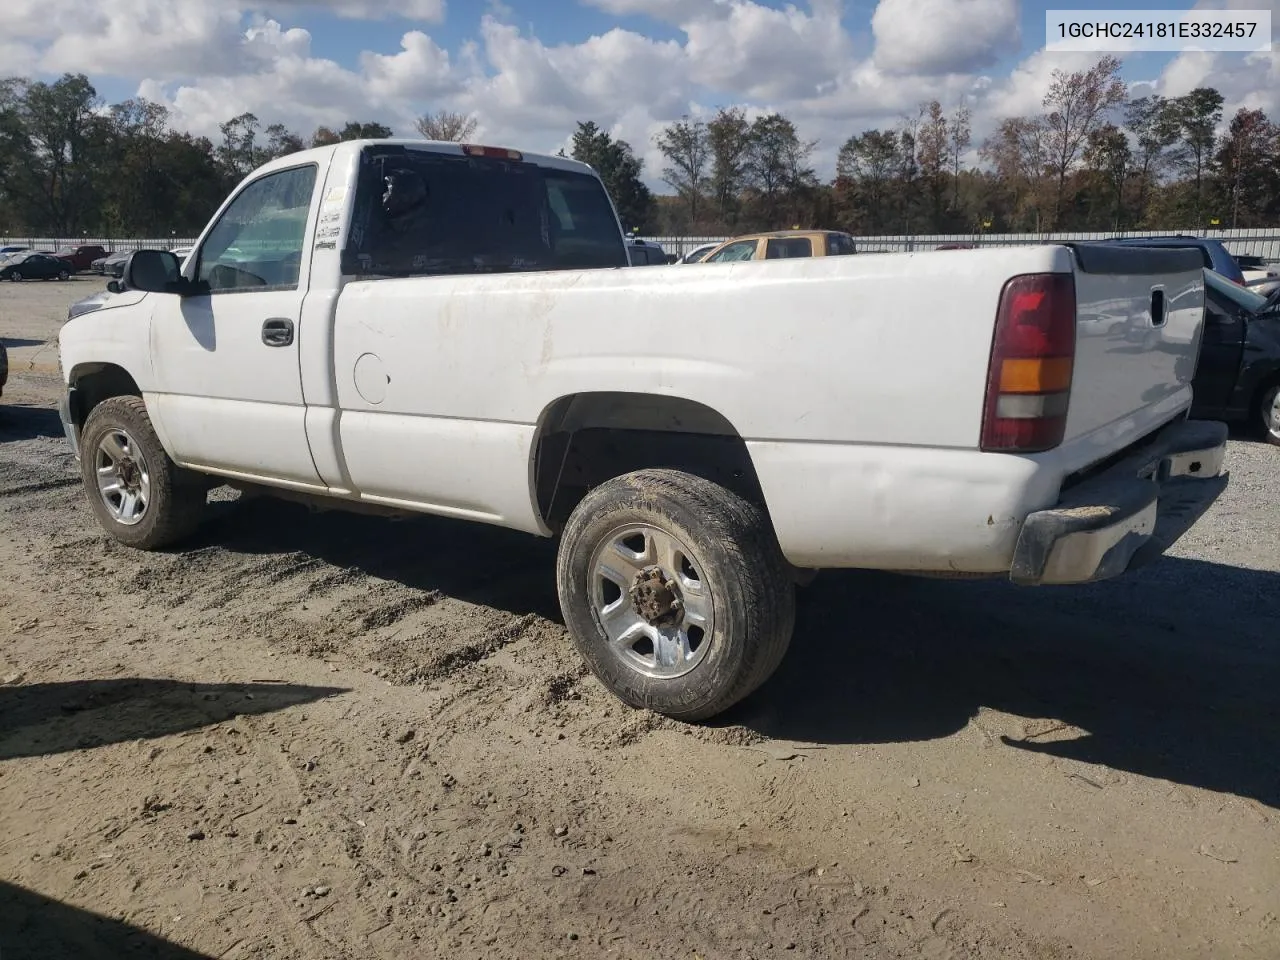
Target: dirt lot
column 324, row 736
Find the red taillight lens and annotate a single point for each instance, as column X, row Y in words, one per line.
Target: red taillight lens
column 1032, row 356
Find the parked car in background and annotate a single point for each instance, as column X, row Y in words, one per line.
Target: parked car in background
column 783, row 245
column 644, row 253
column 1216, row 256
column 1261, row 276
column 112, row 265
column 36, row 266
column 698, row 254
column 6, row 251
column 1238, row 376
column 81, row 257
column 956, row 246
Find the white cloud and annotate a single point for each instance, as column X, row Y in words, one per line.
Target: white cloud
column 930, row 37
column 426, row 11
column 812, row 61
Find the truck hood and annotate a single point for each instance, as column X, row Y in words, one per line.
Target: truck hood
column 103, row 300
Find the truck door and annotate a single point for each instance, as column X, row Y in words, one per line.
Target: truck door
column 226, row 361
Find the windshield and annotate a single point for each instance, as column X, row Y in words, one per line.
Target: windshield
column 1253, row 302
column 419, row 212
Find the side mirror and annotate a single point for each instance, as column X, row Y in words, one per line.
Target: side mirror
column 114, row 287
column 152, row 271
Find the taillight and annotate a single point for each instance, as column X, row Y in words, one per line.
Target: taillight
column 1032, row 356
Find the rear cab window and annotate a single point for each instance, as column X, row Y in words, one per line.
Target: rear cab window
column 781, row 248
column 419, row 212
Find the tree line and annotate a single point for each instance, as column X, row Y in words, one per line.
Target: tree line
column 1092, row 158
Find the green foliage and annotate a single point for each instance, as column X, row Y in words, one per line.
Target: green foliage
column 620, row 169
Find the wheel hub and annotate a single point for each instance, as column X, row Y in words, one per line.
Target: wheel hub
column 656, row 598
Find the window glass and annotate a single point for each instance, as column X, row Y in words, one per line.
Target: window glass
column 419, row 212
column 742, row 250
column 258, row 241
column 781, row 248
column 839, row 245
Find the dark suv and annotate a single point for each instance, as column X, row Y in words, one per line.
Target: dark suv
column 1216, row 256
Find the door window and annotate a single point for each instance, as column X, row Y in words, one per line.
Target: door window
column 742, row 250
column 257, row 243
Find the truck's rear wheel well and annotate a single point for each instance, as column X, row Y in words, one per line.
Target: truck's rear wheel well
column 93, row 383
column 587, row 439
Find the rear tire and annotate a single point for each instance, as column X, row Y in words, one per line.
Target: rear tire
column 139, row 495
column 675, row 592
column 1269, row 411
column 64, row 275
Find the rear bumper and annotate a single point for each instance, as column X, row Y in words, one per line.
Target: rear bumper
column 1127, row 515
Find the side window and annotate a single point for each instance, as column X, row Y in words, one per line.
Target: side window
column 257, row 243
column 742, row 250
column 838, row 245
column 782, row 248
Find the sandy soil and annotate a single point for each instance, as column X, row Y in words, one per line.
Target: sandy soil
column 327, row 736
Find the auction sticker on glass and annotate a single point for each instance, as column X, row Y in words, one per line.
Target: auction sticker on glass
column 1122, row 31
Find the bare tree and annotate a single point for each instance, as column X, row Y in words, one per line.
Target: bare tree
column 447, row 125
column 1077, row 104
column 961, row 137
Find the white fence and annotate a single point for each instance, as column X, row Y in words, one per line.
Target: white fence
column 1261, row 242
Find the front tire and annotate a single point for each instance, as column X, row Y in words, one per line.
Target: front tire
column 675, row 592
column 139, row 495
column 64, row 275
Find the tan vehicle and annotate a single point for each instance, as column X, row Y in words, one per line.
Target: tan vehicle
column 781, row 244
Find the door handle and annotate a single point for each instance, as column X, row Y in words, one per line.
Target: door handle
column 277, row 332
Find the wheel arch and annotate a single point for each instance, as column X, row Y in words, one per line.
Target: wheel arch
column 584, row 439
column 90, row 383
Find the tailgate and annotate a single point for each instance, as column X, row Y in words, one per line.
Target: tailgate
column 1139, row 312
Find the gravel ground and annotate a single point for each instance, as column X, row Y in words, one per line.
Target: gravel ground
column 323, row 736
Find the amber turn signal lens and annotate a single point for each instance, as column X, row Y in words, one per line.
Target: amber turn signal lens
column 1035, row 375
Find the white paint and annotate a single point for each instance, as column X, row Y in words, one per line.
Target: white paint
column 858, row 386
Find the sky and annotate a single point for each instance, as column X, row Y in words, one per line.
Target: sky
column 529, row 69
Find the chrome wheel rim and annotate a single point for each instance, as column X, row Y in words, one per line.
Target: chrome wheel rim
column 1271, row 416
column 652, row 601
column 124, row 481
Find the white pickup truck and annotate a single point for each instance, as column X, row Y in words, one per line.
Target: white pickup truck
column 449, row 329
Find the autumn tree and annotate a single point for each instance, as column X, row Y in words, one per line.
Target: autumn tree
column 866, row 169
column 1248, row 162
column 1108, row 156
column 1148, row 121
column 933, row 141
column 777, row 166
column 1195, row 118
column 1019, row 155
column 960, row 135
column 686, row 146
column 729, row 140
column 447, row 125
column 1076, row 105
column 351, row 130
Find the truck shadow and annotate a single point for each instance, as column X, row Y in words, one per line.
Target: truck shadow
column 1171, row 672
column 20, row 422
column 475, row 562
column 40, row 719
column 33, row 927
